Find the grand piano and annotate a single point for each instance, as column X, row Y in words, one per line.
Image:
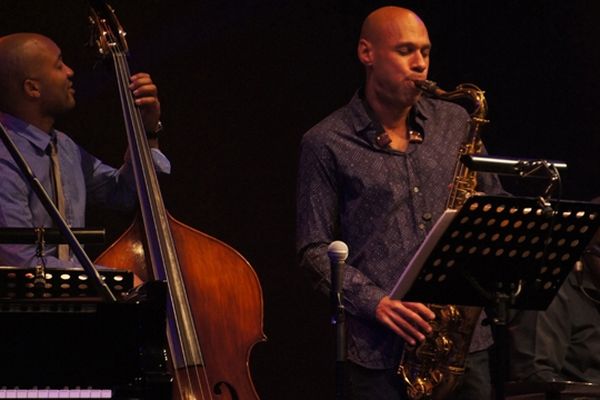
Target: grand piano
column 63, row 335
column 57, row 340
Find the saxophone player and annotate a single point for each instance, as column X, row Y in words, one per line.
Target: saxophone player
column 375, row 174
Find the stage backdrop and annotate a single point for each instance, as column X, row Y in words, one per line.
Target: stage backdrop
column 241, row 81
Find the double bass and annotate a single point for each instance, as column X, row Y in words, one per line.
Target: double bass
column 214, row 305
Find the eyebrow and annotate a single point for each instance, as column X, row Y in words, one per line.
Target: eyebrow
column 413, row 46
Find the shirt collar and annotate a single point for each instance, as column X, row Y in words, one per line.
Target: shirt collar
column 365, row 122
column 31, row 133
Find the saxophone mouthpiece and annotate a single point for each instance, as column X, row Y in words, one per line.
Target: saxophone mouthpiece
column 429, row 87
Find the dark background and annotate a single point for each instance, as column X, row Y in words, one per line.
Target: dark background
column 241, row 81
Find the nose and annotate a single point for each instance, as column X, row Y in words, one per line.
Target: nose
column 70, row 72
column 419, row 62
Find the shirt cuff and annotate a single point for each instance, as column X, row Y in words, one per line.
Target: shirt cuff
column 161, row 162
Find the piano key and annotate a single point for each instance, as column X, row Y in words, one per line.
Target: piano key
column 89, row 393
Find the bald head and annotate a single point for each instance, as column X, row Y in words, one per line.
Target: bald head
column 382, row 22
column 394, row 47
column 19, row 57
column 35, row 83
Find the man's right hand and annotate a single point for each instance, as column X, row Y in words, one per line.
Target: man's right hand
column 408, row 320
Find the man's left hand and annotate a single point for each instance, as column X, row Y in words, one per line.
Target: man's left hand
column 145, row 93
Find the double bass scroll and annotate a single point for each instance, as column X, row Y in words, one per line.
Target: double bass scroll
column 214, row 305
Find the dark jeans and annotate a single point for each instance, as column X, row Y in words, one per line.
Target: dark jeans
column 369, row 384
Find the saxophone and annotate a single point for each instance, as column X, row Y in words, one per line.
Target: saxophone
column 432, row 369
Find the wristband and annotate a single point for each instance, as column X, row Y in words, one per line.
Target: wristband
column 156, row 132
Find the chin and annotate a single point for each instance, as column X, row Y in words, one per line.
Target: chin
column 65, row 108
column 409, row 100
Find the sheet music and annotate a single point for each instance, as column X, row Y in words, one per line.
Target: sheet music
column 499, row 242
column 416, row 263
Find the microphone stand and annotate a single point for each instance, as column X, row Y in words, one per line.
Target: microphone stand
column 40, row 270
column 505, row 297
column 82, row 257
column 338, row 252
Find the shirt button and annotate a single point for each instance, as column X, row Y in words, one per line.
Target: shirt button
column 427, row 216
column 383, row 140
column 422, row 227
column 416, row 189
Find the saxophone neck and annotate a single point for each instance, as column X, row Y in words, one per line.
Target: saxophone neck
column 466, row 91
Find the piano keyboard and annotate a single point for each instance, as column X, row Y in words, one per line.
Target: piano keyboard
column 55, row 393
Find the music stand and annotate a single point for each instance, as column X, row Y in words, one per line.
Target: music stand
column 17, row 284
column 499, row 252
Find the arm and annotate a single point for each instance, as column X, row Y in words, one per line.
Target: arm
column 116, row 188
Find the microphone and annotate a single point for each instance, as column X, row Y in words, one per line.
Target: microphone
column 338, row 253
column 523, row 168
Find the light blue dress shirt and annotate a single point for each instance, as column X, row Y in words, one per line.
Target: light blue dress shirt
column 85, row 180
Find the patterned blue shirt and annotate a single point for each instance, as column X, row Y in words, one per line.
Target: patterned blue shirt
column 85, row 179
column 381, row 203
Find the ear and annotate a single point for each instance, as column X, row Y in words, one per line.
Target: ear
column 31, row 88
column 365, row 52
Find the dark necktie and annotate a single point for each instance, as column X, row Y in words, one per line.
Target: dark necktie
column 63, row 249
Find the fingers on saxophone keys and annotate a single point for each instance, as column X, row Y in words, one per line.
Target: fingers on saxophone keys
column 407, row 320
column 421, row 309
column 400, row 327
column 412, row 325
column 408, row 333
